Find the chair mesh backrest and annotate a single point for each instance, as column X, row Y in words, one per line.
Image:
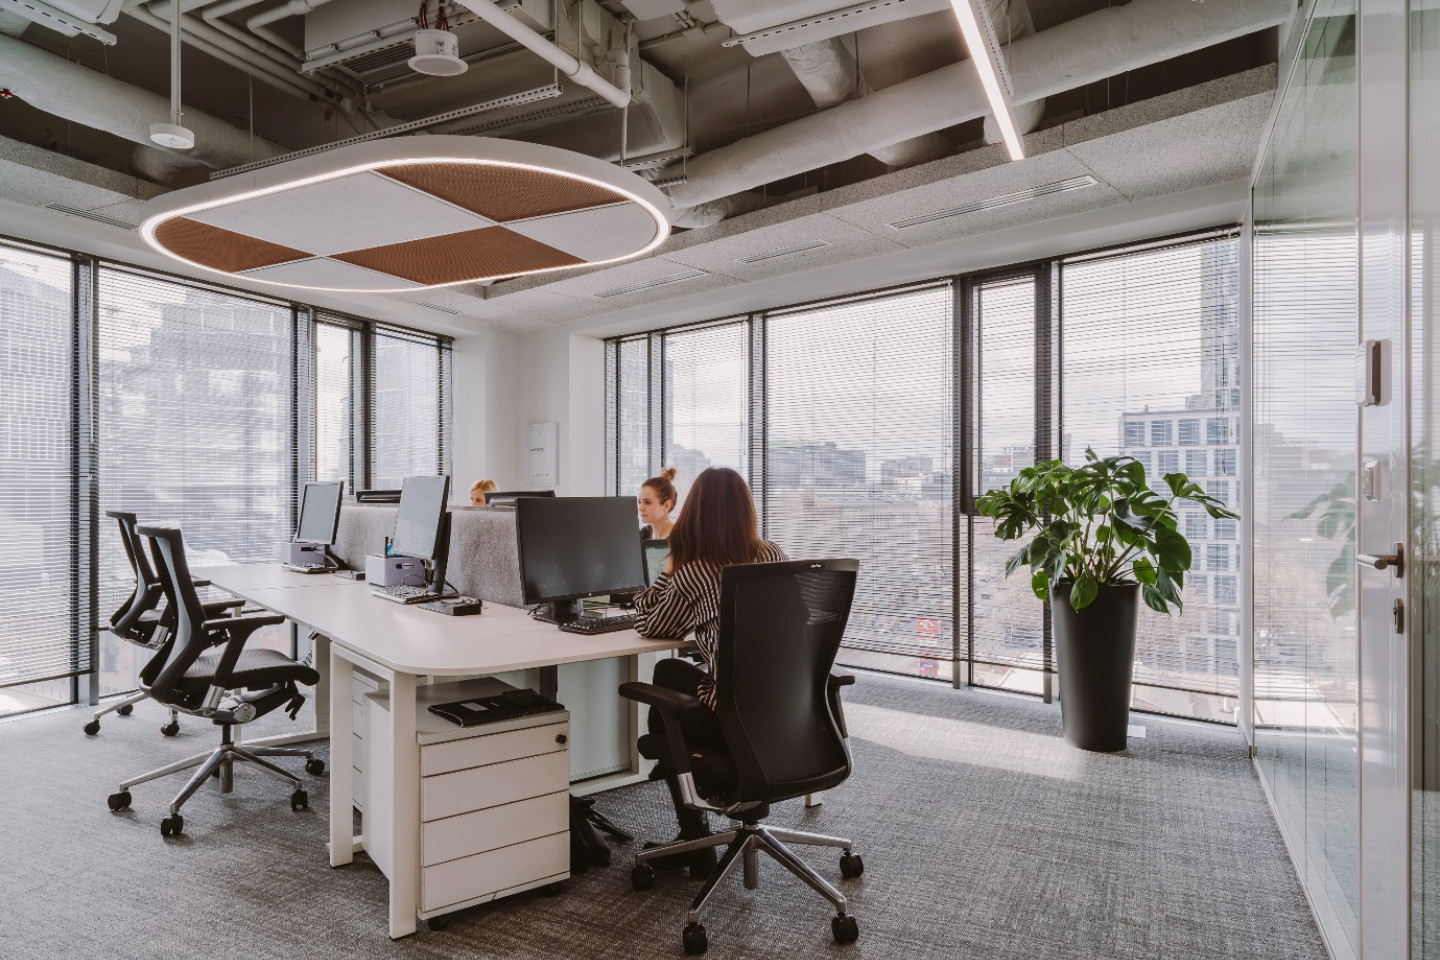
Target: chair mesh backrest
column 780, row 628
column 190, row 640
column 146, row 595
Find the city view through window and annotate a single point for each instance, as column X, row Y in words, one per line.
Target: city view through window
column 847, row 423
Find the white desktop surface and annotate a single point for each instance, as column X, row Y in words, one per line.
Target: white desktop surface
column 239, row 577
column 401, row 643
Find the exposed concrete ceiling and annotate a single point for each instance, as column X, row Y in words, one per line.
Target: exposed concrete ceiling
column 1181, row 127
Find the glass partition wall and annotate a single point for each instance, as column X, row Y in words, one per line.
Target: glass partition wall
column 863, row 413
column 1305, row 330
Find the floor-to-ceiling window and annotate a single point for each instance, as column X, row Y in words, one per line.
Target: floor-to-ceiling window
column 875, row 421
column 183, row 403
column 1305, row 328
column 41, row 648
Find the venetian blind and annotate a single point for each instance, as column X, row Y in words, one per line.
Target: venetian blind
column 857, row 451
column 706, row 401
column 1151, row 368
column 40, row 623
column 410, row 406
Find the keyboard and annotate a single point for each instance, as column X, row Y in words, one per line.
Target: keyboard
column 592, row 625
column 307, row 567
column 404, row 594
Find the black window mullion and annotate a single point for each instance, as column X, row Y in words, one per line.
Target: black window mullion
column 84, row 510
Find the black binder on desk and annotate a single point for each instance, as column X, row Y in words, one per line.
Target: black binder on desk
column 499, row 706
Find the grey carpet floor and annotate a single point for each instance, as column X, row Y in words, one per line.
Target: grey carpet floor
column 984, row 836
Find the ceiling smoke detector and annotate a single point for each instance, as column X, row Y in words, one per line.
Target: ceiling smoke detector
column 172, row 135
column 437, row 53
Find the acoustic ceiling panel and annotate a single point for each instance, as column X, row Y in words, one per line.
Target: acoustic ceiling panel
column 440, row 261
column 588, row 234
column 393, row 215
column 224, row 250
column 346, row 213
column 326, row 274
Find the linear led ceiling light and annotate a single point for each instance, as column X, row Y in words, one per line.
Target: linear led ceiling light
column 393, row 216
column 987, row 59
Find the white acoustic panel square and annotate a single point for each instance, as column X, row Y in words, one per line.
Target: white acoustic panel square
column 593, row 234
column 333, row 274
column 357, row 212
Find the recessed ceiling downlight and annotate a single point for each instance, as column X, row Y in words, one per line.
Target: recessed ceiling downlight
column 410, row 213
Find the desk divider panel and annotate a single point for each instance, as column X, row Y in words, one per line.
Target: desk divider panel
column 483, row 561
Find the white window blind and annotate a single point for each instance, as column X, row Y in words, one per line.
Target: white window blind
column 1152, row 336
column 411, row 408
column 39, row 622
column 858, row 454
column 628, row 398
column 706, row 401
column 333, row 398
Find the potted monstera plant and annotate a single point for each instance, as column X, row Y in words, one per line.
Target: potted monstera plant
column 1100, row 541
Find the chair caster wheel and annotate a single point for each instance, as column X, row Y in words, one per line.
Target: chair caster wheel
column 851, row 865
column 92, row 728
column 170, row 729
column 695, row 940
column 642, row 877
column 845, row 929
column 437, row 923
column 126, row 710
column 315, row 766
column 172, row 826
column 119, row 801
column 299, row 800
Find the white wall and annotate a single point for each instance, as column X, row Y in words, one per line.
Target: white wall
column 486, row 408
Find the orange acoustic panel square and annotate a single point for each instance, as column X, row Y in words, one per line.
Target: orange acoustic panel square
column 488, row 252
column 221, row 249
column 503, row 193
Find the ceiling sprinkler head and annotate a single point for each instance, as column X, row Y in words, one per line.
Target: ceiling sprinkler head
column 172, row 136
column 437, row 53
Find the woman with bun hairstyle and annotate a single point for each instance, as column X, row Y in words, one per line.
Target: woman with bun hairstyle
column 717, row 528
column 656, row 501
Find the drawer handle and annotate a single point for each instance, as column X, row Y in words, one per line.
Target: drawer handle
column 561, row 738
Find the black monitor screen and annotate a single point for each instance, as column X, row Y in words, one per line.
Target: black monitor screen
column 319, row 512
column 577, row 547
column 417, row 522
column 507, row 498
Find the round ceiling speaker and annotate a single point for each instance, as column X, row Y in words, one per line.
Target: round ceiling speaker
column 437, row 53
column 172, row 135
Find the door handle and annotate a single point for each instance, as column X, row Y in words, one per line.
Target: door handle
column 1383, row 561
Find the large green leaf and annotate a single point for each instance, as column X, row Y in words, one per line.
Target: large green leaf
column 1172, row 549
column 1084, row 592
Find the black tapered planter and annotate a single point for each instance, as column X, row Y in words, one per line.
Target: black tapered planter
column 1095, row 652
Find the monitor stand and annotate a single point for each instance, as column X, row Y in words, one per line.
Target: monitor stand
column 560, row 611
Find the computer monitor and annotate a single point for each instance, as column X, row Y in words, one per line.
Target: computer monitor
column 420, row 518
column 507, row 498
column 575, row 547
column 319, row 512
column 656, row 553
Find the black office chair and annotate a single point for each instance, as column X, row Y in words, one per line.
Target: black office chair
column 229, row 686
column 779, row 709
column 141, row 619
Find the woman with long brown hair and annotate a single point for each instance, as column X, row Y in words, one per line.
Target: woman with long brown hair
column 716, row 528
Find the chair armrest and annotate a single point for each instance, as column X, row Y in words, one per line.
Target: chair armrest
column 237, row 631
column 199, row 582
column 838, row 680
column 220, row 606
column 672, row 705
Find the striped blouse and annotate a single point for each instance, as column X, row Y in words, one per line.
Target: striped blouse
column 689, row 599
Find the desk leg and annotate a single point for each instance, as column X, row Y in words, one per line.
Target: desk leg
column 320, row 657
column 342, row 759
column 405, row 807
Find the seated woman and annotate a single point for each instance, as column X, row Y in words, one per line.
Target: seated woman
column 717, row 528
column 655, row 502
column 478, row 491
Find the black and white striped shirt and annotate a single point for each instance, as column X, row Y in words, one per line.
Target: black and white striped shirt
column 689, row 599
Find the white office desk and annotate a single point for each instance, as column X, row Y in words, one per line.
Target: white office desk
column 400, row 643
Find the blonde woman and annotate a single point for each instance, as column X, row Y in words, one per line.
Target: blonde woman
column 478, row 491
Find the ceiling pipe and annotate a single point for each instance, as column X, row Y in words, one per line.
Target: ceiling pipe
column 828, row 71
column 12, row 24
column 1081, row 51
column 708, row 214
column 61, row 87
column 237, row 56
column 288, row 56
column 260, row 23
column 577, row 70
